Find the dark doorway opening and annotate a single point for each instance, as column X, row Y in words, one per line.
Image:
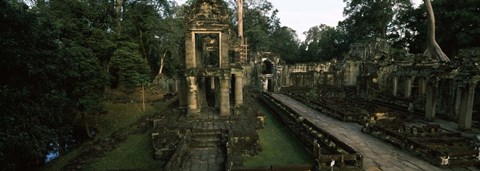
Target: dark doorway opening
column 267, row 67
column 207, row 50
column 210, row 91
column 270, row 85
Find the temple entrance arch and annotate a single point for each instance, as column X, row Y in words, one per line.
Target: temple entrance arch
column 268, row 67
column 207, row 49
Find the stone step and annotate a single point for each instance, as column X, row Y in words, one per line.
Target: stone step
column 207, row 143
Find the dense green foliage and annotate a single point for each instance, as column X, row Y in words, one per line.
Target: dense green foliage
column 128, row 67
column 58, row 57
column 322, row 43
column 457, row 22
column 401, row 24
column 47, row 78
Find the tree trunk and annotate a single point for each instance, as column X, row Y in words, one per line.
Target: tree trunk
column 87, row 126
column 144, row 51
column 118, row 16
column 240, row 20
column 433, row 49
column 161, row 63
column 106, row 72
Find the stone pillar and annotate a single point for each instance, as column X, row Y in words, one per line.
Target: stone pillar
column 395, row 86
column 202, row 92
column 302, row 78
column 225, row 96
column 212, row 83
column 193, row 95
column 335, row 79
column 458, row 100
column 408, row 87
column 422, row 84
column 465, row 118
column 190, row 60
column 176, row 84
column 431, row 100
column 238, row 90
column 217, row 92
column 325, row 79
column 182, row 93
column 224, row 47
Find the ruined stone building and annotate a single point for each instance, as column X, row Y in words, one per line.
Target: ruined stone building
column 274, row 73
column 214, row 55
column 445, row 90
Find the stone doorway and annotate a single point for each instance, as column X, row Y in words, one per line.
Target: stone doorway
column 207, row 49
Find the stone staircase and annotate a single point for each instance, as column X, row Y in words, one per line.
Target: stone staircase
column 207, row 139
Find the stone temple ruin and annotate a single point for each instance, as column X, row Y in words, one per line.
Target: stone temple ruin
column 215, row 129
column 213, row 60
column 431, row 86
column 405, row 101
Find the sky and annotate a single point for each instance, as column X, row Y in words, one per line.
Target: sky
column 300, row 15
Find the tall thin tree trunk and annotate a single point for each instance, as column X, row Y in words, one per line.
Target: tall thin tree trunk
column 106, row 72
column 240, row 20
column 119, row 16
column 433, row 49
column 161, row 63
column 143, row 45
column 87, row 126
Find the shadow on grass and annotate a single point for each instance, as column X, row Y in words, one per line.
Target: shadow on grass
column 279, row 146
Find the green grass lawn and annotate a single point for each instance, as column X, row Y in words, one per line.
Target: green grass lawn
column 279, row 147
column 118, row 116
column 133, row 154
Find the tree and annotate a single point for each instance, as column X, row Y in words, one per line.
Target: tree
column 456, row 26
column 285, row 43
column 47, row 77
column 369, row 19
column 260, row 22
column 322, row 43
column 158, row 31
column 433, row 49
column 128, row 67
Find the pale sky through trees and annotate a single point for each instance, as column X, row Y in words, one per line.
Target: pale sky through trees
column 300, row 15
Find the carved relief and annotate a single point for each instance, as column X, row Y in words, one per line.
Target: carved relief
column 208, row 12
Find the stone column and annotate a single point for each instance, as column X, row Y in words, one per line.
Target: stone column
column 431, row 100
column 238, row 90
column 335, row 79
column 202, row 92
column 422, row 84
column 465, row 118
column 193, row 95
column 190, row 60
column 458, row 100
column 225, row 96
column 182, row 92
column 324, row 78
column 176, row 84
column 408, row 87
column 302, row 78
column 217, row 92
column 212, row 83
column 395, row 86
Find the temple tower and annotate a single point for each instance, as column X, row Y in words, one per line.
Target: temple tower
column 211, row 69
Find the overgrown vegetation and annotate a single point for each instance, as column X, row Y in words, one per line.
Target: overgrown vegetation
column 60, row 57
column 279, row 146
column 133, row 154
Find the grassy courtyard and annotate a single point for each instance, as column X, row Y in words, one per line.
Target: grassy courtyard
column 279, row 146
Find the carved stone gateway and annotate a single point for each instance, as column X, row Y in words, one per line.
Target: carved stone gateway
column 211, row 66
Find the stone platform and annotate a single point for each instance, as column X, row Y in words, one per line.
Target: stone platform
column 378, row 155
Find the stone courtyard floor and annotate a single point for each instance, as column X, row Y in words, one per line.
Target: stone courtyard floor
column 378, row 155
